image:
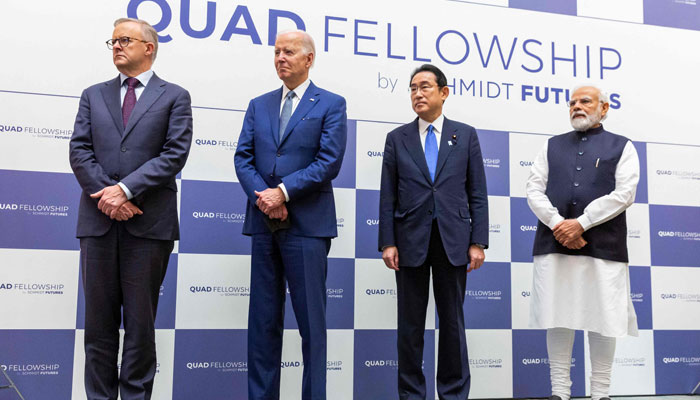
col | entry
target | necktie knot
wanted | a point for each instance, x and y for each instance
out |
(290, 95)
(132, 82)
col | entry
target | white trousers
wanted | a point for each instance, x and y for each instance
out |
(560, 344)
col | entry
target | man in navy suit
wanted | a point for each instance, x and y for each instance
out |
(433, 212)
(290, 148)
(132, 135)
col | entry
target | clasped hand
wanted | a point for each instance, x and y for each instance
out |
(271, 202)
(114, 204)
(568, 232)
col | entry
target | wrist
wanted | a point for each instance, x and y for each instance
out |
(283, 189)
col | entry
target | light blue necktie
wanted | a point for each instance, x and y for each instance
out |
(286, 112)
(431, 151)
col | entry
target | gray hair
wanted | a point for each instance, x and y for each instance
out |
(602, 96)
(149, 33)
(307, 42)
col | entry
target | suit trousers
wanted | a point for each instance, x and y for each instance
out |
(121, 274)
(413, 286)
(302, 262)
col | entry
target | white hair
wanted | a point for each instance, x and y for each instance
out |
(602, 96)
(149, 33)
(307, 42)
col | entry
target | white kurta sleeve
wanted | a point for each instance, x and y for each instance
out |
(535, 188)
(611, 205)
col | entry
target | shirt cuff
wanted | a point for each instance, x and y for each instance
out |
(284, 190)
(584, 221)
(126, 190)
(554, 221)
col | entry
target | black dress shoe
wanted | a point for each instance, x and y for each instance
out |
(559, 398)
(605, 398)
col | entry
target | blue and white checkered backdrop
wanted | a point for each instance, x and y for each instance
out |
(508, 62)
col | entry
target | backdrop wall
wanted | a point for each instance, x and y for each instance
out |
(509, 64)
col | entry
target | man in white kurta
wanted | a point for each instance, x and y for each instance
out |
(581, 275)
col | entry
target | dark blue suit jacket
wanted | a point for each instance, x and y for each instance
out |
(146, 155)
(409, 199)
(306, 159)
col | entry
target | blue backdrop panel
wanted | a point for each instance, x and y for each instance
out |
(40, 362)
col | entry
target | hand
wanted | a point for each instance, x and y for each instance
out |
(576, 243)
(269, 198)
(567, 230)
(279, 213)
(125, 212)
(111, 198)
(476, 257)
(390, 255)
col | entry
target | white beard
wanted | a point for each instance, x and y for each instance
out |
(584, 124)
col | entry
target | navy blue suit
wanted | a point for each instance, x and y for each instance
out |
(432, 224)
(123, 263)
(306, 159)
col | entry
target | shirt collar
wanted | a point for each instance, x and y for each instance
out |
(298, 91)
(143, 77)
(437, 124)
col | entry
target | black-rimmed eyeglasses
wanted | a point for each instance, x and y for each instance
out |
(123, 41)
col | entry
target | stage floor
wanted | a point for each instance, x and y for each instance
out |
(671, 397)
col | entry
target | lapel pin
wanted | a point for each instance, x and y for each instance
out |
(312, 99)
(449, 143)
(454, 137)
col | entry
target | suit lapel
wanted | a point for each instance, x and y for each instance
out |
(112, 98)
(273, 108)
(448, 130)
(309, 101)
(412, 143)
(151, 93)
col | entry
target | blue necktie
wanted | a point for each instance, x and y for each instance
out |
(286, 112)
(431, 151)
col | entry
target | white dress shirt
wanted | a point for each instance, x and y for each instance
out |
(298, 94)
(437, 129)
(143, 79)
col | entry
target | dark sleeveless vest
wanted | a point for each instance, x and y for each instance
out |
(581, 169)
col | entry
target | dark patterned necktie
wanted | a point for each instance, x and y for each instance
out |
(129, 99)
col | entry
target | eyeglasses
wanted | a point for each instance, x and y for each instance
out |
(585, 102)
(123, 41)
(422, 88)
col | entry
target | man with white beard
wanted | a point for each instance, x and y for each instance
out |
(579, 187)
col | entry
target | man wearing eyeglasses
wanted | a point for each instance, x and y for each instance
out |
(132, 136)
(433, 217)
(580, 184)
